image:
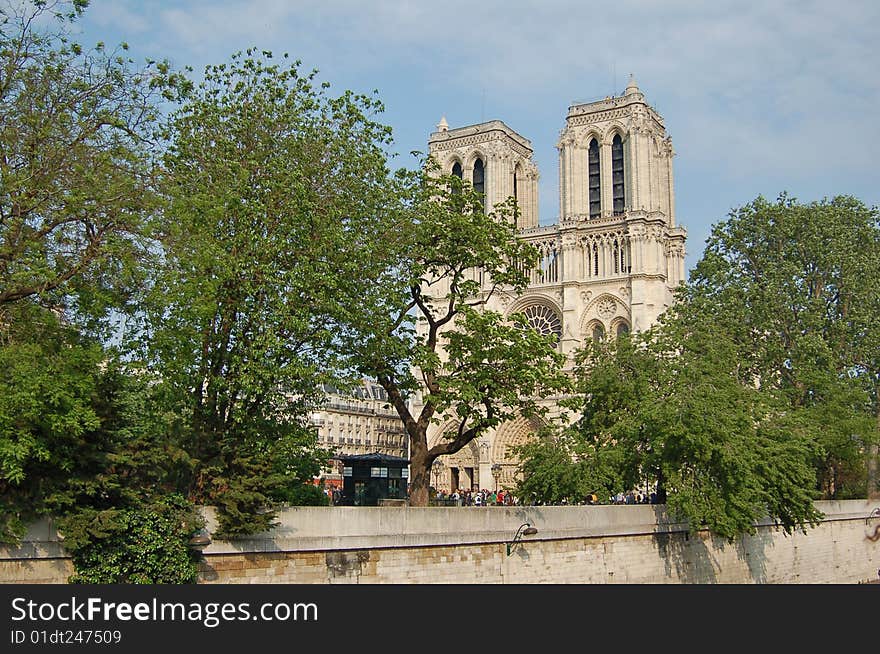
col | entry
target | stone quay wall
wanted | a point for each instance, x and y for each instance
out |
(635, 544)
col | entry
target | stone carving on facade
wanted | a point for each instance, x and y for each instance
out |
(596, 118)
(466, 142)
(639, 119)
(531, 171)
(656, 232)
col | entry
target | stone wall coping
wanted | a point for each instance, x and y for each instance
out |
(354, 528)
(351, 528)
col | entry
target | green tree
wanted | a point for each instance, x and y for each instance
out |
(48, 376)
(75, 185)
(271, 188)
(797, 286)
(78, 430)
(76, 141)
(143, 544)
(755, 393)
(425, 334)
(673, 412)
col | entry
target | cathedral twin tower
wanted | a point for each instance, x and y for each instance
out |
(611, 263)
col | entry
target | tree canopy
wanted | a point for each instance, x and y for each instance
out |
(753, 395)
(225, 238)
(75, 188)
(76, 135)
(797, 286)
(426, 334)
(271, 186)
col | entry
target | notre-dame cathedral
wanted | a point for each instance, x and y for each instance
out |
(610, 264)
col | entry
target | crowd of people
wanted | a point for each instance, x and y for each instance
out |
(483, 497)
(504, 497)
(633, 497)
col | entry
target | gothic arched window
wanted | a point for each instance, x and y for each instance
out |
(479, 177)
(616, 253)
(617, 192)
(598, 333)
(543, 320)
(516, 174)
(622, 329)
(595, 193)
(456, 171)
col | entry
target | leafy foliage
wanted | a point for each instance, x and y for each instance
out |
(797, 287)
(77, 428)
(271, 188)
(756, 392)
(147, 544)
(720, 453)
(76, 136)
(48, 377)
(93, 433)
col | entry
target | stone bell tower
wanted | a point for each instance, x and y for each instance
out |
(495, 159)
(615, 157)
(608, 266)
(617, 205)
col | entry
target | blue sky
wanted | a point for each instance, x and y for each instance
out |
(758, 96)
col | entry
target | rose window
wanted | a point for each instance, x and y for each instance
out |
(543, 320)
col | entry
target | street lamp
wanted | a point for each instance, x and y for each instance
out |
(496, 473)
(525, 529)
(198, 543)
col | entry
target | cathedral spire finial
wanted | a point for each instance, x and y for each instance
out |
(443, 126)
(632, 88)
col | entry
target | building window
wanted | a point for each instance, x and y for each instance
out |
(549, 265)
(516, 197)
(543, 320)
(617, 193)
(480, 179)
(456, 171)
(622, 329)
(598, 333)
(595, 193)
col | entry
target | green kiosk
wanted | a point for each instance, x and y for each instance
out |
(368, 478)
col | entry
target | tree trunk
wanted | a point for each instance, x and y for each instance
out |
(661, 488)
(419, 477)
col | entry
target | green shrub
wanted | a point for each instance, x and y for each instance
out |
(147, 544)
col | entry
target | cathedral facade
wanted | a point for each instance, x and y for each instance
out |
(608, 266)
